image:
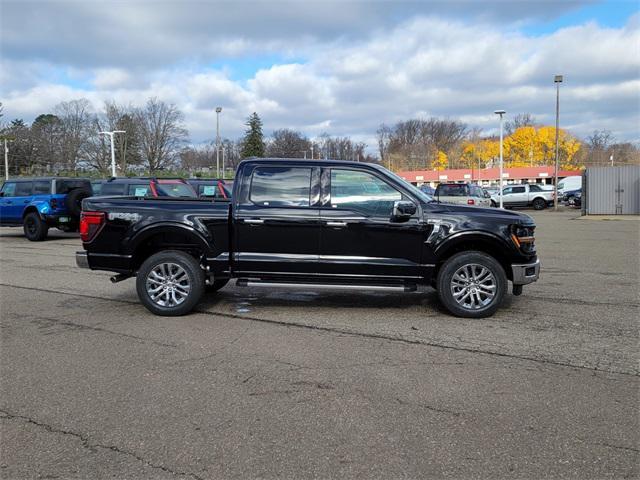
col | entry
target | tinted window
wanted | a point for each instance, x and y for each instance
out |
(534, 188)
(519, 189)
(65, 186)
(452, 190)
(507, 191)
(41, 187)
(362, 192)
(9, 189)
(476, 191)
(281, 186)
(112, 189)
(139, 190)
(96, 187)
(175, 190)
(23, 189)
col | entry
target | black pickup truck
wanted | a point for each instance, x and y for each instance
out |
(315, 224)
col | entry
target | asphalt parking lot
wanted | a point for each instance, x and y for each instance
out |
(297, 384)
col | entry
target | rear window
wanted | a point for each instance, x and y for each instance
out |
(452, 190)
(518, 190)
(41, 187)
(281, 186)
(112, 189)
(176, 189)
(66, 185)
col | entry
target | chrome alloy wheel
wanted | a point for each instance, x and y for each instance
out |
(473, 286)
(168, 285)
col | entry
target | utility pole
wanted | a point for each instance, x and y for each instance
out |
(6, 160)
(312, 151)
(218, 110)
(113, 152)
(557, 80)
(501, 113)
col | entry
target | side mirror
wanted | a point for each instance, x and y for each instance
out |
(402, 210)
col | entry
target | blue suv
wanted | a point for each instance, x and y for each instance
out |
(37, 204)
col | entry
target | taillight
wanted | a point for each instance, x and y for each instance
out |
(471, 201)
(90, 224)
(54, 203)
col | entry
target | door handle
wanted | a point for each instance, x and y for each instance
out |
(336, 224)
(26, 201)
(253, 221)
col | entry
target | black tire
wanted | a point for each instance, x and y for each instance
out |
(539, 203)
(447, 285)
(216, 285)
(35, 229)
(73, 200)
(171, 292)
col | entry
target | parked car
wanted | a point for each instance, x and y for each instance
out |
(462, 194)
(147, 187)
(567, 184)
(310, 224)
(38, 204)
(527, 195)
(569, 196)
(210, 188)
(428, 189)
(575, 200)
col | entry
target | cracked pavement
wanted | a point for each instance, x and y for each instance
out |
(297, 384)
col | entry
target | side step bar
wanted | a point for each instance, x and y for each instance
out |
(409, 287)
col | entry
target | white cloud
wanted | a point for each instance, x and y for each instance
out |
(422, 66)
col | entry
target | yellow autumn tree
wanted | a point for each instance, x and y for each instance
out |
(522, 147)
(441, 162)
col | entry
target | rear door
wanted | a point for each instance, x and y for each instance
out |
(277, 226)
(358, 236)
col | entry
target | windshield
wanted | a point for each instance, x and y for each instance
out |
(425, 197)
(175, 190)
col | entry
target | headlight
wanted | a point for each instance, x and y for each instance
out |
(523, 237)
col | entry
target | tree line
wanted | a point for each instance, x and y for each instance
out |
(67, 141)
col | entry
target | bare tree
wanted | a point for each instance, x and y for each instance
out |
(162, 133)
(75, 119)
(383, 135)
(286, 143)
(520, 120)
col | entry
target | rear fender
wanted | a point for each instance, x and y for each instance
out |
(167, 228)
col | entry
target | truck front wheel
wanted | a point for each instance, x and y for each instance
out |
(471, 284)
(170, 283)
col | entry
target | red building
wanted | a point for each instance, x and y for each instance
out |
(487, 176)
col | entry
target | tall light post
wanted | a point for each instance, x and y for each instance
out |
(501, 113)
(557, 80)
(113, 151)
(6, 138)
(218, 110)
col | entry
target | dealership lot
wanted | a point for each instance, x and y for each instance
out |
(279, 383)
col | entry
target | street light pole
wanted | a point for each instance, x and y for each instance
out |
(113, 152)
(557, 80)
(501, 113)
(6, 160)
(218, 110)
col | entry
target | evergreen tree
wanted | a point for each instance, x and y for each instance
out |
(253, 143)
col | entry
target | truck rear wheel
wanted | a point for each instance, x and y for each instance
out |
(35, 229)
(170, 283)
(471, 284)
(539, 204)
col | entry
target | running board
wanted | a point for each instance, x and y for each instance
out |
(410, 287)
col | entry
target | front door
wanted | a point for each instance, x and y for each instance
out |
(277, 227)
(359, 237)
(14, 201)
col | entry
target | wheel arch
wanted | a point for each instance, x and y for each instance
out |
(475, 241)
(31, 209)
(167, 236)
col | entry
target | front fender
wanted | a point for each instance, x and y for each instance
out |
(485, 238)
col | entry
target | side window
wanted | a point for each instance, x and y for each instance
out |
(112, 189)
(519, 189)
(507, 191)
(452, 190)
(139, 190)
(281, 186)
(42, 187)
(9, 189)
(534, 188)
(23, 189)
(362, 192)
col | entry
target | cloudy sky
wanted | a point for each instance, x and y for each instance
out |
(329, 66)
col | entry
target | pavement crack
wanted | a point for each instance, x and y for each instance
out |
(81, 327)
(429, 407)
(92, 446)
